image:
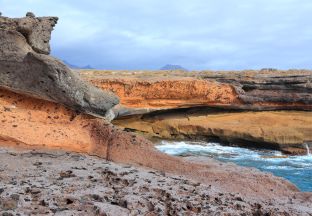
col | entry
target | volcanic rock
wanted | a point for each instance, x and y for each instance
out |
(287, 131)
(148, 95)
(147, 91)
(201, 105)
(269, 89)
(26, 67)
(150, 194)
(46, 125)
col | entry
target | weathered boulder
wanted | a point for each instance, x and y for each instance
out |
(26, 68)
(37, 31)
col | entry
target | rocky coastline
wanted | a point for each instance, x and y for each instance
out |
(66, 183)
(266, 109)
(57, 140)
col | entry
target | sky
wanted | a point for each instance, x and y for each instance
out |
(196, 34)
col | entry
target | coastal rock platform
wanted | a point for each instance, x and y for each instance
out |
(66, 183)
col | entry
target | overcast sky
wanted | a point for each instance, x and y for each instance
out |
(196, 34)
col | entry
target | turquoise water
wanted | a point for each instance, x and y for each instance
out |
(297, 169)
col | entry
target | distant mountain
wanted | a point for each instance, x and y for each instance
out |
(173, 67)
(77, 67)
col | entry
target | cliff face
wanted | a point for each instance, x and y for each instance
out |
(214, 105)
(32, 123)
(269, 90)
(255, 90)
(169, 93)
(285, 131)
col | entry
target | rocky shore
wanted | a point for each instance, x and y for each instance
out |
(266, 109)
(64, 183)
(289, 131)
(68, 158)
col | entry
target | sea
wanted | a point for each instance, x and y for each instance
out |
(297, 169)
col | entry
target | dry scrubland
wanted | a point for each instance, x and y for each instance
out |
(92, 73)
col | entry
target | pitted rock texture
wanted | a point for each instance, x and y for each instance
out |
(24, 68)
(33, 123)
(63, 183)
(37, 31)
(36, 124)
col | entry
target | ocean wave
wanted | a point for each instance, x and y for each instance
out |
(295, 168)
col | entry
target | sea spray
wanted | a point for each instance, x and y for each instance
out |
(308, 149)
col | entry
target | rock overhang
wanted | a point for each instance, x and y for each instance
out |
(26, 67)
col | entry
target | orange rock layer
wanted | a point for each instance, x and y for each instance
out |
(289, 131)
(168, 93)
(161, 90)
(32, 123)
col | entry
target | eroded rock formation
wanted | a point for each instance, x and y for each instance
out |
(26, 67)
(269, 89)
(287, 131)
(148, 95)
(212, 103)
(147, 91)
(36, 124)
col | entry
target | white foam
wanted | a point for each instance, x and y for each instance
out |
(297, 169)
(234, 153)
(177, 148)
(308, 149)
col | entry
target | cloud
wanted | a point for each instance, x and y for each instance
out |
(198, 34)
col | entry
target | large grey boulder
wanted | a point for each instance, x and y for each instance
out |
(26, 67)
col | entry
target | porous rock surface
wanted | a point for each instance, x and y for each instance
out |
(26, 67)
(64, 183)
(36, 124)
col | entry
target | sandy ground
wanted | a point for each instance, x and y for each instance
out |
(34, 182)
